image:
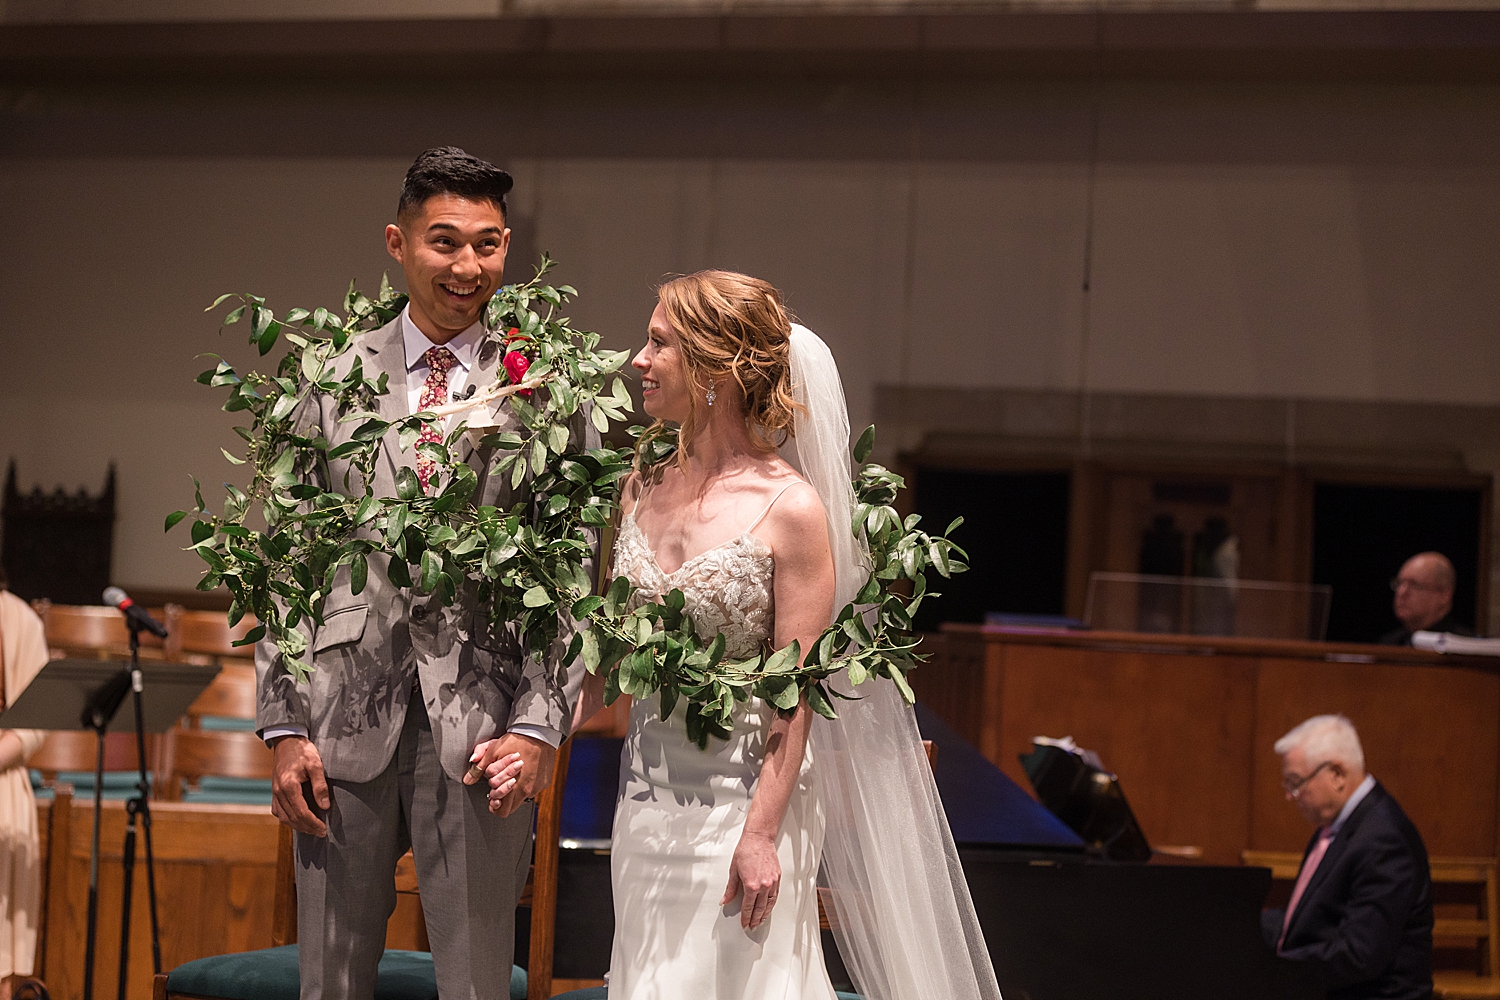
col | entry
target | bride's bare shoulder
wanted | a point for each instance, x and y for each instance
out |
(796, 514)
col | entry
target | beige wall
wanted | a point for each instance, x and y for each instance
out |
(1318, 242)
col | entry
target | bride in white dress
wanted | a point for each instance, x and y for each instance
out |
(716, 853)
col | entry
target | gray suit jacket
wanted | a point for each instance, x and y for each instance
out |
(474, 677)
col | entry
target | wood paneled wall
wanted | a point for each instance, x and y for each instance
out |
(1188, 723)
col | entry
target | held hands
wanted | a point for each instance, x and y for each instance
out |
(516, 767)
(757, 870)
(296, 776)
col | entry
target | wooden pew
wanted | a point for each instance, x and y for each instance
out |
(215, 877)
(207, 637)
(190, 754)
(98, 632)
(231, 695)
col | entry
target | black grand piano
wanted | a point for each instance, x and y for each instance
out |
(1060, 924)
(1064, 925)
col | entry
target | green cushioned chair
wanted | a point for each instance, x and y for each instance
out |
(236, 791)
(271, 973)
(225, 724)
(117, 785)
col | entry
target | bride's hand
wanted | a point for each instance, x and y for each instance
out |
(503, 775)
(757, 870)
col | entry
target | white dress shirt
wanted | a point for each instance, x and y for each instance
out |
(1349, 807)
(465, 348)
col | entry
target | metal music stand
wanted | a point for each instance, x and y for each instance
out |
(89, 694)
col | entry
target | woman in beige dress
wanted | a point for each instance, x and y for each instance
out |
(23, 652)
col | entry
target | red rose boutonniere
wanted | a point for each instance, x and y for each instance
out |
(515, 362)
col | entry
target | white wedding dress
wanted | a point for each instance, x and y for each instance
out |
(681, 811)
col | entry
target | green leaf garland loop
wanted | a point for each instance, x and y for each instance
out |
(645, 648)
(279, 543)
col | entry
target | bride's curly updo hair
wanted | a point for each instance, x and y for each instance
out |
(731, 326)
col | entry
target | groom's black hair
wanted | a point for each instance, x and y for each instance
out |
(449, 170)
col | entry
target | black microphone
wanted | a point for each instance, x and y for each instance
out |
(133, 613)
(467, 393)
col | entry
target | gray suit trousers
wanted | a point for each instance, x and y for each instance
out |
(471, 867)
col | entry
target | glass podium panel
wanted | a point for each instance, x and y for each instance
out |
(1188, 605)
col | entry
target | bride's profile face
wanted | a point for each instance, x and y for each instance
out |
(664, 383)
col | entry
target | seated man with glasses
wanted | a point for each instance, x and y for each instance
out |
(1424, 599)
(1361, 910)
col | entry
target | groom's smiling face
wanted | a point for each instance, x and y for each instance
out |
(452, 251)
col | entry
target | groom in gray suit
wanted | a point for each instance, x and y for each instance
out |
(374, 754)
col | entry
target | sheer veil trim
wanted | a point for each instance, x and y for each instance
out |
(905, 924)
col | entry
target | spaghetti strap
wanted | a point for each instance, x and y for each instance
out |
(762, 517)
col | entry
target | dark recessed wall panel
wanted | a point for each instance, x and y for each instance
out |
(1362, 535)
(1015, 531)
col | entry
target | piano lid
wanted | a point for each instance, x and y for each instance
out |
(984, 806)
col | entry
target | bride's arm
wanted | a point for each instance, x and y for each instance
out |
(797, 531)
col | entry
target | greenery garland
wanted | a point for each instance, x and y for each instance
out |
(278, 543)
(645, 648)
(524, 564)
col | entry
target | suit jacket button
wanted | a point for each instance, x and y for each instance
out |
(419, 612)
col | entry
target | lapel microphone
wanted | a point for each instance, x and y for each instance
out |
(467, 393)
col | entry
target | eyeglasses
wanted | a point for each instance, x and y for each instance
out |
(1397, 584)
(1294, 786)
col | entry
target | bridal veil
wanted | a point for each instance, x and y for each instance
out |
(903, 918)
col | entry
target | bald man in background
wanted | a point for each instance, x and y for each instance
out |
(1424, 599)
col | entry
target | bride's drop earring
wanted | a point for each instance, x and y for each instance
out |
(712, 393)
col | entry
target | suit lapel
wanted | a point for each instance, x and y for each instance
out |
(384, 352)
(1335, 851)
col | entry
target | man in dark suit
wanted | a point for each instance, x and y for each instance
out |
(1361, 911)
(376, 753)
(1424, 599)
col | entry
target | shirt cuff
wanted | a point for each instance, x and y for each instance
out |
(545, 734)
(273, 732)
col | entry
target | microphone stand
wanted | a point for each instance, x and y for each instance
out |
(97, 715)
(138, 809)
(101, 708)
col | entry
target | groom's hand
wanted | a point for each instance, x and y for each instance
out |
(538, 759)
(296, 777)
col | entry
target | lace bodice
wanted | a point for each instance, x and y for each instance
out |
(727, 589)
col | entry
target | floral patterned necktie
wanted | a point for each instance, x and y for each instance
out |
(434, 394)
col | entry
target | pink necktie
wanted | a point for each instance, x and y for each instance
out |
(434, 394)
(1325, 837)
